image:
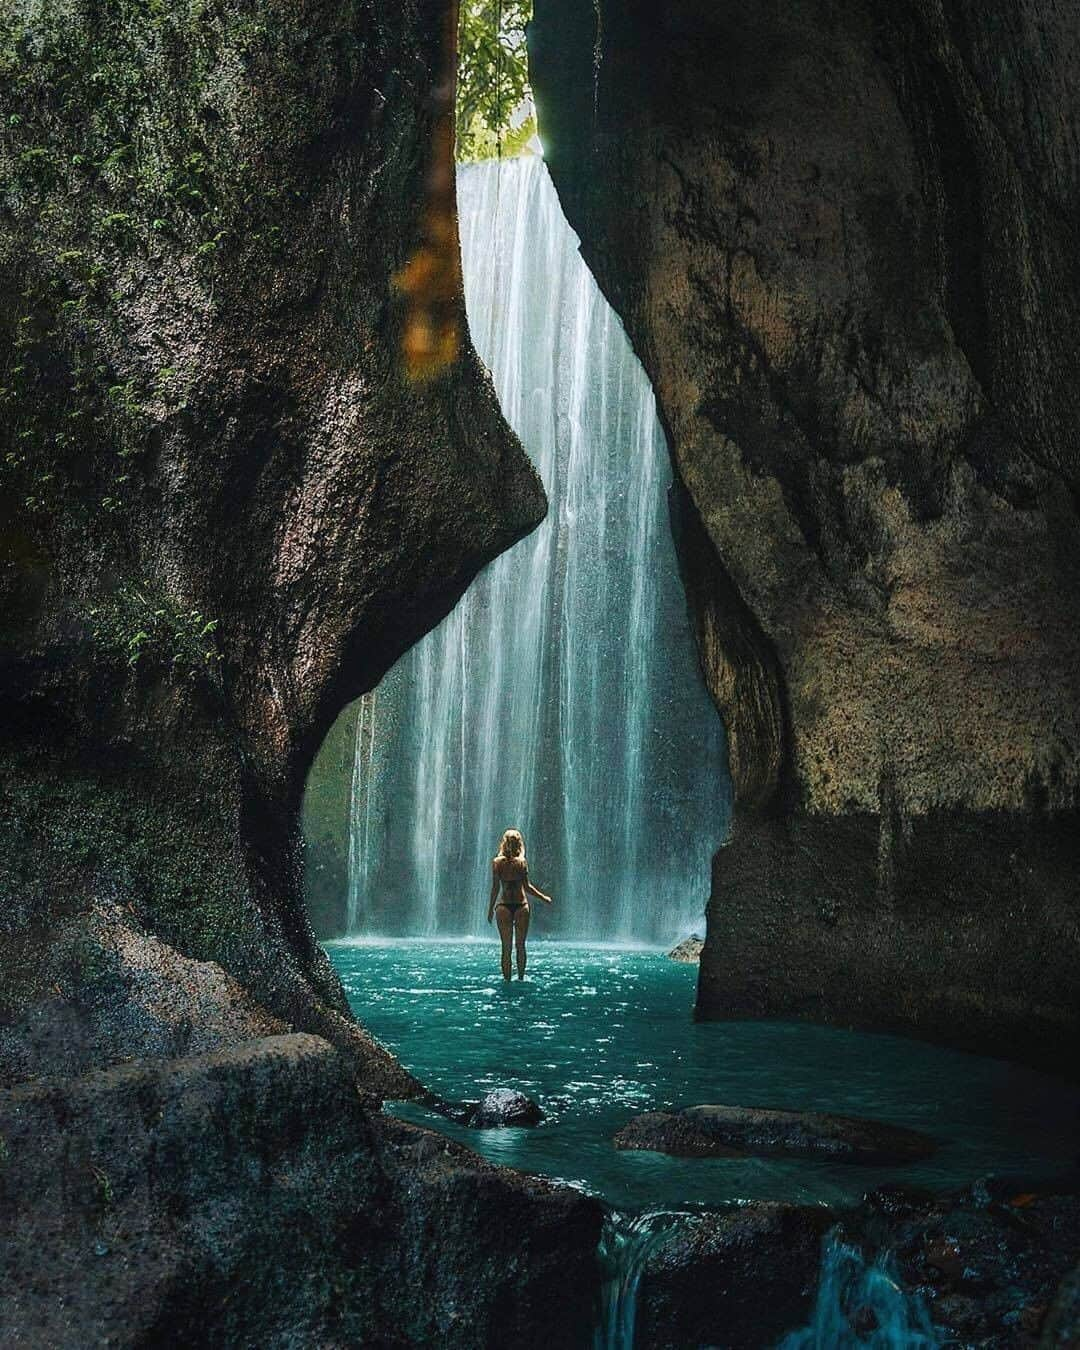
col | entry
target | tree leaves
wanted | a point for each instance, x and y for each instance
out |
(494, 99)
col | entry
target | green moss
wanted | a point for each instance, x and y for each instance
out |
(136, 624)
(86, 114)
(165, 169)
(126, 154)
(154, 846)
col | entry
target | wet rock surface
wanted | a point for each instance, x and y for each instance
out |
(828, 234)
(704, 1131)
(214, 563)
(504, 1106)
(250, 1197)
(228, 502)
(687, 951)
(740, 1279)
(116, 993)
(992, 1265)
(991, 1261)
(1061, 1326)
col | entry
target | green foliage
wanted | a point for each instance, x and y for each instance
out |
(154, 840)
(493, 79)
(138, 625)
(104, 1197)
(106, 183)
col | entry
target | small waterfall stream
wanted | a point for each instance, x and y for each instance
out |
(562, 695)
(861, 1303)
(626, 1243)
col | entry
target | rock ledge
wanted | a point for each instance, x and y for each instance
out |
(718, 1131)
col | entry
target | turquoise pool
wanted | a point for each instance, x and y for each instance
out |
(595, 1035)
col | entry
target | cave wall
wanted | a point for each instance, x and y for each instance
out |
(326, 822)
(842, 237)
(247, 456)
(227, 505)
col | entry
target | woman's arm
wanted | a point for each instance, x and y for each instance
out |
(533, 891)
(494, 891)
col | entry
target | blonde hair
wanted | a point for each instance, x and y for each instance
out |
(512, 845)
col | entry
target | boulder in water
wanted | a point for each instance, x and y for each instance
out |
(688, 950)
(505, 1106)
(715, 1131)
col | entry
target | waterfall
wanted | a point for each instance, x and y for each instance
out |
(562, 695)
(626, 1243)
(362, 804)
(861, 1303)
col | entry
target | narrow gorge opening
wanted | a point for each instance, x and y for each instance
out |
(562, 695)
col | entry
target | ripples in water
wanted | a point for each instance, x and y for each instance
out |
(596, 1034)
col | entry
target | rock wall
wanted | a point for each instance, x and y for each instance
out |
(326, 827)
(842, 238)
(227, 507)
(247, 456)
(194, 1201)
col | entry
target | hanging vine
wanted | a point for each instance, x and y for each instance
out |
(494, 114)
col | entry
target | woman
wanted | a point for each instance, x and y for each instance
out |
(510, 871)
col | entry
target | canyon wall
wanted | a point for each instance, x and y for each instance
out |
(248, 456)
(842, 237)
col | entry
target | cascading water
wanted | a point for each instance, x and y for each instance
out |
(562, 695)
(861, 1304)
(860, 1301)
(626, 1243)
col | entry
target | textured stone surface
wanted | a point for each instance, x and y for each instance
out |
(326, 827)
(968, 944)
(246, 1197)
(225, 506)
(842, 239)
(989, 1260)
(1062, 1324)
(705, 1131)
(115, 993)
(991, 1264)
(505, 1106)
(740, 1279)
(687, 951)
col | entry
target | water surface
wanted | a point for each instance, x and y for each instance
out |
(597, 1034)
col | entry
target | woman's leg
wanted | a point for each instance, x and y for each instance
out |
(505, 920)
(521, 932)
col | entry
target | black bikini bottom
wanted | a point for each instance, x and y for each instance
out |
(512, 905)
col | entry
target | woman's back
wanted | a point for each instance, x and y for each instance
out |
(512, 872)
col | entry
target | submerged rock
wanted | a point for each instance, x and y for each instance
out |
(688, 950)
(711, 1131)
(504, 1106)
